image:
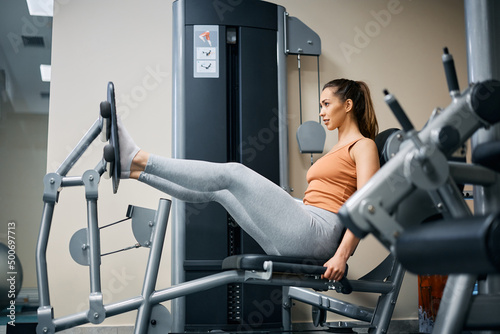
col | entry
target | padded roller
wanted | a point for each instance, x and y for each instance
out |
(485, 99)
(105, 108)
(470, 245)
(109, 157)
(487, 155)
(109, 153)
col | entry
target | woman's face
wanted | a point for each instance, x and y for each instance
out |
(333, 110)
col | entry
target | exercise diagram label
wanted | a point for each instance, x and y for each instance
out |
(206, 51)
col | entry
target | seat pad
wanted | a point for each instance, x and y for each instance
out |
(280, 263)
(284, 264)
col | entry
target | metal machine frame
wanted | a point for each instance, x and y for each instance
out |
(149, 228)
(385, 280)
(418, 164)
(462, 245)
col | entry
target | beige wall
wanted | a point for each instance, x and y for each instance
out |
(129, 43)
(394, 45)
(23, 148)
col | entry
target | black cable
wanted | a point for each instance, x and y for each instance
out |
(123, 249)
(120, 221)
(319, 91)
(300, 89)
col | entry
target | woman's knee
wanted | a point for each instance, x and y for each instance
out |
(235, 172)
(236, 168)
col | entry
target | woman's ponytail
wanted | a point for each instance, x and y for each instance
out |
(367, 121)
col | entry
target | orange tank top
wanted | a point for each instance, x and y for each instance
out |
(332, 179)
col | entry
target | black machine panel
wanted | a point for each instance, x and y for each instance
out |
(239, 13)
(232, 117)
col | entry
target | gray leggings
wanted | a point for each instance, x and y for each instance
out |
(278, 222)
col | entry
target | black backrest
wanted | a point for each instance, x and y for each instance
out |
(380, 141)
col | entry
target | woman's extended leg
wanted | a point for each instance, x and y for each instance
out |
(270, 215)
(280, 224)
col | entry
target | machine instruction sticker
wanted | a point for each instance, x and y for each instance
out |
(206, 51)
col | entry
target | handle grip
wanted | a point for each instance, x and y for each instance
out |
(450, 71)
(398, 111)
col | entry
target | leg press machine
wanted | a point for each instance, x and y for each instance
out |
(417, 182)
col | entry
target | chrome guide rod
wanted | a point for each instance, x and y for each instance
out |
(178, 151)
(483, 60)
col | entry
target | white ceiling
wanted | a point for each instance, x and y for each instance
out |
(21, 62)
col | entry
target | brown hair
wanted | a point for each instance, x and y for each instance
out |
(359, 93)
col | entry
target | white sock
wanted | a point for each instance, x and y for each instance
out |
(128, 149)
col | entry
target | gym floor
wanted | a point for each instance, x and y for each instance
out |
(397, 327)
(26, 318)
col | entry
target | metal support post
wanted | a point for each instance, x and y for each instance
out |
(387, 302)
(282, 100)
(96, 313)
(178, 151)
(52, 183)
(483, 61)
(455, 303)
(158, 238)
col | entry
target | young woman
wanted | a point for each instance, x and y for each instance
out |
(280, 224)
